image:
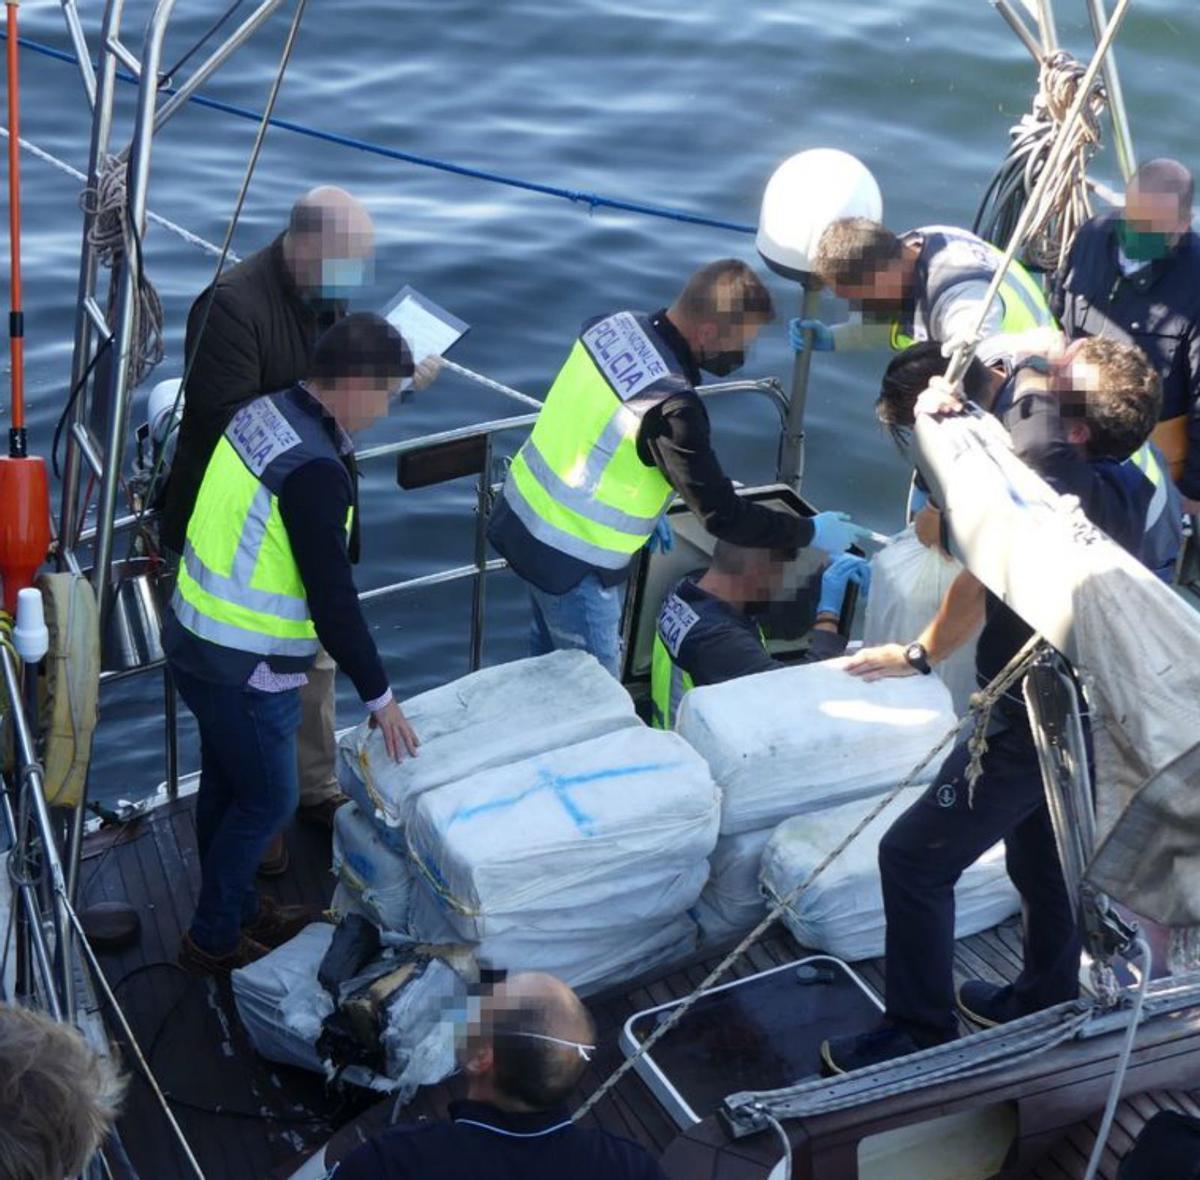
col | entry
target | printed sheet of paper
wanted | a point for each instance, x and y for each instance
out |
(427, 329)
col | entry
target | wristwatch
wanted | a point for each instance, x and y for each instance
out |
(918, 658)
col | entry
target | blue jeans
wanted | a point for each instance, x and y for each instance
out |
(586, 618)
(248, 791)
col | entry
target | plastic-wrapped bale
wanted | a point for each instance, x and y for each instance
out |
(732, 901)
(376, 874)
(589, 960)
(399, 1010)
(801, 739)
(610, 832)
(841, 913)
(908, 582)
(490, 718)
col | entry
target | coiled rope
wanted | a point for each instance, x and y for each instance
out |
(1065, 204)
(117, 243)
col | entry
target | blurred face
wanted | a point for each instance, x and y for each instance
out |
(763, 584)
(1073, 378)
(724, 343)
(361, 401)
(335, 261)
(1152, 224)
(881, 290)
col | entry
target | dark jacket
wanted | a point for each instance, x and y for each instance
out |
(713, 641)
(1157, 308)
(1114, 496)
(313, 503)
(484, 1143)
(257, 339)
(675, 437)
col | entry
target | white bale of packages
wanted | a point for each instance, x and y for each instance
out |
(801, 739)
(732, 900)
(908, 582)
(490, 718)
(586, 959)
(841, 913)
(378, 877)
(571, 829)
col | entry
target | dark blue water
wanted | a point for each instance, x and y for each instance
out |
(673, 104)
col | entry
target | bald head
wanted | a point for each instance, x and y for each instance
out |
(330, 242)
(524, 1051)
(1158, 197)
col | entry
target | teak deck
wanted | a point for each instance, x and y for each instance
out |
(248, 1118)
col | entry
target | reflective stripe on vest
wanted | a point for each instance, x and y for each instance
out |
(578, 484)
(1146, 462)
(238, 583)
(1024, 304)
(668, 683)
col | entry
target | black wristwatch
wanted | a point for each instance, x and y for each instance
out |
(918, 658)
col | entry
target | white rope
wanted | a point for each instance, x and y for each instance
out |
(1011, 672)
(170, 226)
(1118, 1082)
(1063, 206)
(116, 242)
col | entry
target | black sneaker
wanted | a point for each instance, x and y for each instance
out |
(846, 1054)
(985, 1004)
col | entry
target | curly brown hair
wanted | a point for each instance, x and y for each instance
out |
(1126, 402)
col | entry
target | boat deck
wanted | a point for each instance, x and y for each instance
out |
(248, 1117)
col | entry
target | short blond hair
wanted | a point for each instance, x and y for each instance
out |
(58, 1097)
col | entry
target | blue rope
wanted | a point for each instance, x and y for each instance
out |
(591, 200)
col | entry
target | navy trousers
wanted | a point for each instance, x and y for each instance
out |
(248, 791)
(925, 852)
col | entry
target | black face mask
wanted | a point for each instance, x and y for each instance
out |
(721, 364)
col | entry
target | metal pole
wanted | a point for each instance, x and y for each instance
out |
(81, 357)
(212, 63)
(118, 424)
(82, 56)
(966, 350)
(171, 708)
(33, 785)
(478, 597)
(1019, 27)
(791, 454)
(1046, 25)
(1122, 139)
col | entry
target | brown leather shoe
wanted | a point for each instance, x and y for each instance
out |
(322, 813)
(199, 962)
(275, 860)
(276, 924)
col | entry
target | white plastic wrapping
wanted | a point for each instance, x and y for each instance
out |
(806, 738)
(732, 901)
(908, 582)
(841, 913)
(377, 875)
(492, 717)
(573, 829)
(587, 959)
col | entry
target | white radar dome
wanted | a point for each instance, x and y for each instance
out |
(805, 194)
(159, 406)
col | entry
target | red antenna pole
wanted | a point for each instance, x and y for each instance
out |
(16, 317)
(24, 490)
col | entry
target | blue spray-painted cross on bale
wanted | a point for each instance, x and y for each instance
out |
(561, 786)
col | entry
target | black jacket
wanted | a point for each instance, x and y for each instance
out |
(713, 641)
(484, 1143)
(1157, 308)
(258, 338)
(675, 437)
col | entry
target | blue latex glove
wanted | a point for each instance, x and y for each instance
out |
(822, 335)
(839, 573)
(835, 532)
(662, 540)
